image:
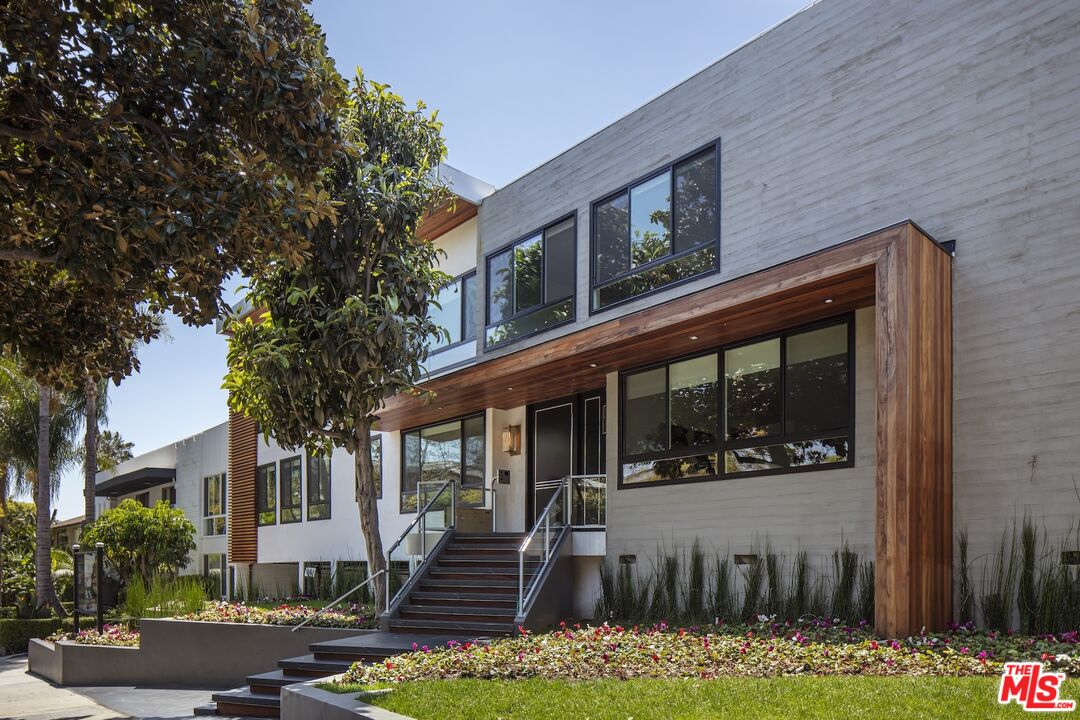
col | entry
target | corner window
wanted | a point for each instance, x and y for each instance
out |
(318, 487)
(530, 284)
(656, 232)
(784, 404)
(455, 314)
(266, 494)
(214, 504)
(432, 455)
(290, 477)
(376, 463)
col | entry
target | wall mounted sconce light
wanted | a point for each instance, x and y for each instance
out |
(511, 439)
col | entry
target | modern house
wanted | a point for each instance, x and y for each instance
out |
(824, 291)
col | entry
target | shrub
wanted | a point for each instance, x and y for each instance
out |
(15, 634)
(999, 582)
(111, 635)
(142, 541)
(164, 597)
(353, 616)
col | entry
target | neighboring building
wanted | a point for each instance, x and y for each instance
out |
(65, 533)
(737, 313)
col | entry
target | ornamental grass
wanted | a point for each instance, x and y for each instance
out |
(764, 649)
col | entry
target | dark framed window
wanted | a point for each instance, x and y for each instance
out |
(214, 565)
(777, 404)
(376, 448)
(531, 283)
(143, 499)
(214, 504)
(266, 494)
(290, 476)
(318, 487)
(658, 231)
(456, 312)
(168, 494)
(431, 455)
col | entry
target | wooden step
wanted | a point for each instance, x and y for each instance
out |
(450, 627)
(463, 600)
(456, 613)
(487, 586)
(482, 548)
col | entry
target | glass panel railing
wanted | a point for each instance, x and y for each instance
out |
(409, 553)
(540, 543)
(588, 500)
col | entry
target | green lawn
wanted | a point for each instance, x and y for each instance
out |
(909, 698)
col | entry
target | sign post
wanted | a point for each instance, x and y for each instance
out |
(75, 586)
(87, 576)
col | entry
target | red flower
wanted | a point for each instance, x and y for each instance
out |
(389, 665)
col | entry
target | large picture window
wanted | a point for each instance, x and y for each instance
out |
(656, 232)
(456, 312)
(530, 284)
(318, 487)
(214, 504)
(266, 494)
(432, 455)
(290, 475)
(777, 404)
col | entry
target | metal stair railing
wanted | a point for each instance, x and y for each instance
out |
(335, 602)
(448, 490)
(556, 511)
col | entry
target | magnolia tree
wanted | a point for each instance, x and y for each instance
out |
(148, 150)
(349, 326)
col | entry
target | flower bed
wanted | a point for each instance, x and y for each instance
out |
(111, 635)
(764, 649)
(352, 616)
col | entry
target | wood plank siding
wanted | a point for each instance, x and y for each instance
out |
(243, 457)
(900, 271)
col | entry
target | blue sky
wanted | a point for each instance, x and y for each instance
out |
(514, 83)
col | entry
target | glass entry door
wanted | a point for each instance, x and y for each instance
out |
(566, 437)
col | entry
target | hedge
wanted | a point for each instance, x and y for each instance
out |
(15, 634)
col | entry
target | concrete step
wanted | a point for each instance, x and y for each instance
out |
(244, 703)
(309, 666)
(270, 683)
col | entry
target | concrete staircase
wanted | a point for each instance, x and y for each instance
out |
(468, 592)
(471, 588)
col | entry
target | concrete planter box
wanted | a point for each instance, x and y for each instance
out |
(178, 652)
(304, 701)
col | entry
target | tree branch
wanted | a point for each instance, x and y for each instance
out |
(20, 254)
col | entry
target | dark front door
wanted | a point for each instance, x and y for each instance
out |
(566, 437)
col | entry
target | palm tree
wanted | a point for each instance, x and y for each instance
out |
(38, 439)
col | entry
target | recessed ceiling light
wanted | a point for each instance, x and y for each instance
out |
(592, 364)
(509, 388)
(828, 300)
(693, 337)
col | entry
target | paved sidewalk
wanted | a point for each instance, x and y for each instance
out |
(26, 697)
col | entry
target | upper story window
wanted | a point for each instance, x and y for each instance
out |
(656, 232)
(266, 494)
(290, 471)
(447, 451)
(318, 487)
(214, 504)
(774, 405)
(530, 284)
(456, 312)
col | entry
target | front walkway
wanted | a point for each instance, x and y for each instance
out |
(27, 697)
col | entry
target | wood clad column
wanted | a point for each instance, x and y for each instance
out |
(243, 456)
(913, 574)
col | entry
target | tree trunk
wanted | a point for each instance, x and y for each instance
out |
(367, 502)
(90, 465)
(43, 584)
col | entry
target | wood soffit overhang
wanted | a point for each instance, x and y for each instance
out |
(772, 299)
